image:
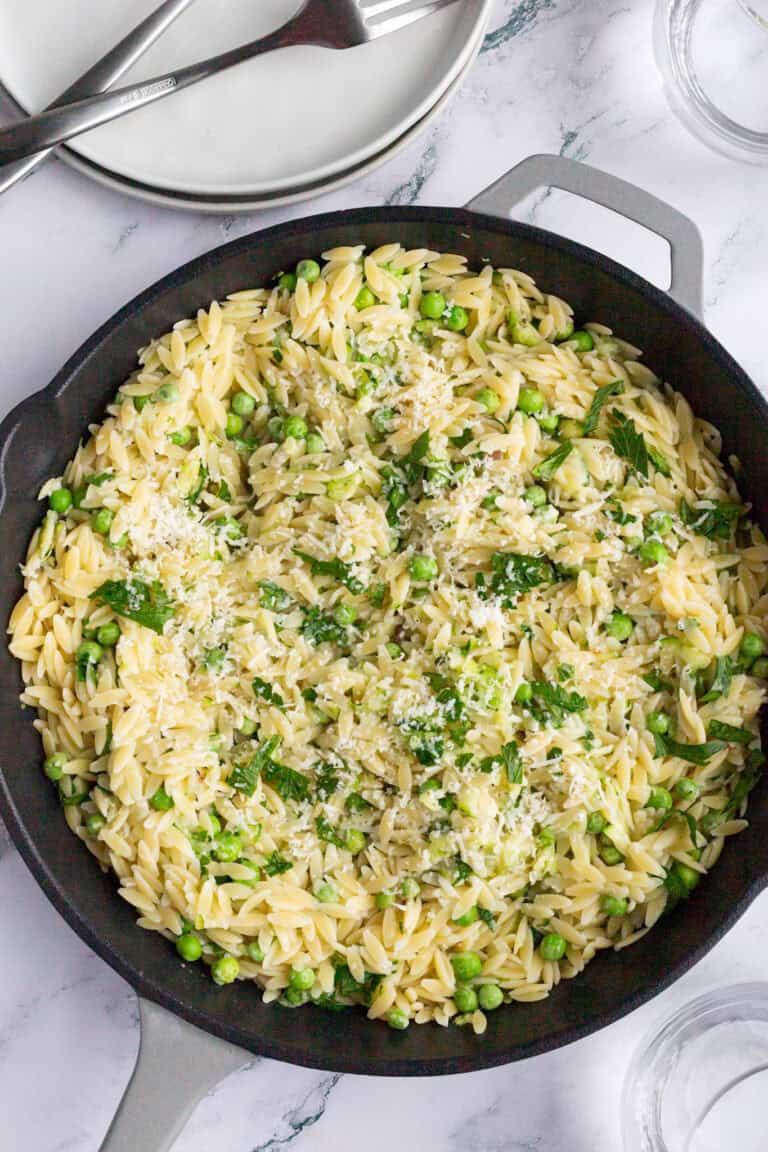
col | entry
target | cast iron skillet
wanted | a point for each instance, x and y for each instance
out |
(39, 437)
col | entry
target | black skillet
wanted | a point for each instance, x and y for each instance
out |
(178, 1062)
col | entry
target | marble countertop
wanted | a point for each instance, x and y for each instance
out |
(554, 76)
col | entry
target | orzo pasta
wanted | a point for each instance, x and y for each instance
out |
(394, 642)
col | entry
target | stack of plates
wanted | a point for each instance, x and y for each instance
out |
(278, 129)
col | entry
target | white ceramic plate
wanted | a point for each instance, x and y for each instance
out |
(282, 121)
(230, 204)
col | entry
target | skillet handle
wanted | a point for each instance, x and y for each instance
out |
(177, 1064)
(543, 171)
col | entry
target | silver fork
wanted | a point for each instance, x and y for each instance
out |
(323, 23)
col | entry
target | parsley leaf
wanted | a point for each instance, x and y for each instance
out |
(509, 759)
(327, 779)
(328, 833)
(335, 568)
(244, 777)
(693, 753)
(461, 870)
(626, 441)
(395, 490)
(98, 479)
(288, 783)
(718, 730)
(276, 865)
(195, 493)
(273, 597)
(447, 696)
(725, 666)
(546, 469)
(266, 692)
(716, 519)
(515, 573)
(411, 463)
(145, 604)
(550, 703)
(319, 628)
(655, 681)
(486, 916)
(598, 401)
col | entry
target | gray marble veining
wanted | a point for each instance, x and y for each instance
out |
(564, 76)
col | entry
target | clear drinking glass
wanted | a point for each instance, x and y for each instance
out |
(700, 1083)
(713, 55)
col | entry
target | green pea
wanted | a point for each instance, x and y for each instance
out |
(229, 526)
(658, 723)
(89, 652)
(465, 999)
(161, 801)
(397, 1019)
(535, 495)
(457, 319)
(315, 444)
(225, 970)
(287, 282)
(432, 305)
(751, 646)
(255, 952)
(243, 404)
(653, 552)
(620, 626)
(659, 523)
(394, 651)
(467, 918)
(466, 965)
(609, 853)
(364, 299)
(583, 341)
(760, 668)
(101, 521)
(276, 428)
(341, 488)
(227, 847)
(425, 328)
(308, 270)
(108, 634)
(354, 841)
(596, 823)
(490, 997)
(552, 947)
(530, 400)
(189, 947)
(248, 727)
(60, 501)
(166, 393)
(570, 429)
(382, 420)
(384, 900)
(549, 422)
(233, 426)
(215, 823)
(614, 906)
(295, 997)
(345, 614)
(295, 428)
(54, 766)
(523, 332)
(301, 978)
(94, 823)
(566, 333)
(524, 693)
(681, 880)
(659, 798)
(686, 789)
(489, 399)
(182, 436)
(410, 889)
(423, 568)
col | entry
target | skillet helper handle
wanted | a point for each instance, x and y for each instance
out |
(544, 171)
(177, 1064)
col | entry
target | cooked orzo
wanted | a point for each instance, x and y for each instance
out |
(396, 642)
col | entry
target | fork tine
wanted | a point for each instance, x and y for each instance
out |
(385, 16)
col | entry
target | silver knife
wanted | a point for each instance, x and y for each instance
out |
(102, 76)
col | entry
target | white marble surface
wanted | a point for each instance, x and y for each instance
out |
(564, 76)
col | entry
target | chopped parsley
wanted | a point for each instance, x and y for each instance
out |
(276, 865)
(328, 833)
(287, 782)
(550, 703)
(266, 692)
(319, 627)
(335, 568)
(627, 442)
(716, 519)
(273, 597)
(514, 573)
(725, 667)
(693, 753)
(718, 730)
(599, 400)
(245, 775)
(196, 491)
(546, 469)
(509, 759)
(145, 603)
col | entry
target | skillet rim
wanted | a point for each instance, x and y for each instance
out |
(390, 1064)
